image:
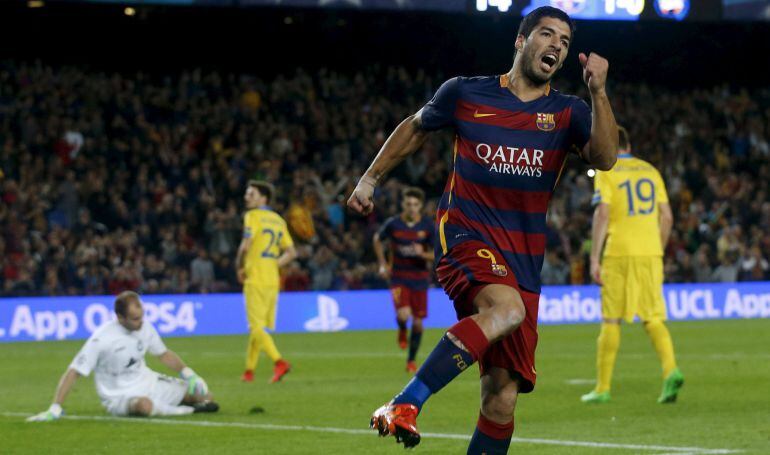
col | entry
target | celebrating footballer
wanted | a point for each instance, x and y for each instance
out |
(513, 133)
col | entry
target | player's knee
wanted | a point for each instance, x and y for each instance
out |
(417, 324)
(499, 407)
(403, 314)
(509, 309)
(140, 406)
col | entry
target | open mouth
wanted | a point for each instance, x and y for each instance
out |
(548, 61)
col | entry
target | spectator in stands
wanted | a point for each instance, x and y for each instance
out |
(555, 271)
(114, 183)
(202, 272)
(727, 271)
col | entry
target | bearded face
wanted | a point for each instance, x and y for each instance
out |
(543, 52)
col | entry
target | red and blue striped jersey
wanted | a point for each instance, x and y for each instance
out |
(508, 156)
(408, 268)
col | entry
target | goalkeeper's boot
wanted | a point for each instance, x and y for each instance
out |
(205, 406)
(596, 397)
(402, 342)
(399, 420)
(671, 385)
(248, 376)
(280, 370)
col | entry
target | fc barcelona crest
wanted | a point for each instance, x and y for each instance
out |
(499, 270)
(545, 122)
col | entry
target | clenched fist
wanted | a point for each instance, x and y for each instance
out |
(595, 69)
(361, 200)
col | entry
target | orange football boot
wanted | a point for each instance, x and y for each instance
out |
(411, 367)
(248, 376)
(400, 420)
(280, 370)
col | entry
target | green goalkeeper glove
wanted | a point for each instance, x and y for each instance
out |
(53, 413)
(195, 384)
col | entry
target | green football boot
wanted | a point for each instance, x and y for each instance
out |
(671, 385)
(595, 397)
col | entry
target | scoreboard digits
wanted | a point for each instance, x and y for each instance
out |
(501, 5)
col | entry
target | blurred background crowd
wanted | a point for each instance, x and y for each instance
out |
(114, 181)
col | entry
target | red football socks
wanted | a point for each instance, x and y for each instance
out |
(470, 335)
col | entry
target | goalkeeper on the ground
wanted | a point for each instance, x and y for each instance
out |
(126, 386)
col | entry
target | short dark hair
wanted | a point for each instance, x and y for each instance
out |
(531, 20)
(413, 191)
(265, 188)
(623, 142)
(123, 300)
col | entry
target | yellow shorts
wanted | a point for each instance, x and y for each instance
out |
(633, 286)
(261, 303)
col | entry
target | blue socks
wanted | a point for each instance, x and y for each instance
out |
(490, 438)
(443, 364)
(482, 444)
(414, 344)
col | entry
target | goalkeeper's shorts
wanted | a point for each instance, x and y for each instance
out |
(159, 388)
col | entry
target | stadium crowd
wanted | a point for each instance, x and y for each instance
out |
(110, 182)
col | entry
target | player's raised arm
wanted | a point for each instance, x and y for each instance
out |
(405, 140)
(601, 149)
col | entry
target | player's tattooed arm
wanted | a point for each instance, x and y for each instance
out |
(602, 149)
(405, 140)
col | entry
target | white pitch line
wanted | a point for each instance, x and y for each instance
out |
(395, 354)
(673, 450)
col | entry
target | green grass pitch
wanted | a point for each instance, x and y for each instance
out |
(339, 378)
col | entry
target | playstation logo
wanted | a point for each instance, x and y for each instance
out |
(328, 319)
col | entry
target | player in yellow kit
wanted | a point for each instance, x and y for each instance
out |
(266, 246)
(633, 215)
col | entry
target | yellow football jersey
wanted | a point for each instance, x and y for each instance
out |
(633, 189)
(269, 238)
